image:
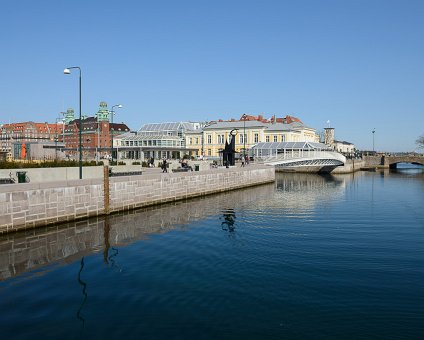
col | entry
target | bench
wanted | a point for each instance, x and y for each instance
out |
(125, 173)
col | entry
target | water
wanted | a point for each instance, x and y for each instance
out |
(309, 257)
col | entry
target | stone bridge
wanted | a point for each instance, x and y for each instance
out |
(392, 160)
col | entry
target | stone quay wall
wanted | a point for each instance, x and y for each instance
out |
(373, 161)
(29, 205)
(350, 166)
(137, 191)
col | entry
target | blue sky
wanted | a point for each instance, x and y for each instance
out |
(358, 63)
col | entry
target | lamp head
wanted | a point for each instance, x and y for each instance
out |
(120, 106)
(67, 71)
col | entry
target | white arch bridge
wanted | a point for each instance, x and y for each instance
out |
(303, 156)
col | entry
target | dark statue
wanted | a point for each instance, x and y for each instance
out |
(228, 155)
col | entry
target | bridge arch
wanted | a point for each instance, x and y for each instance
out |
(393, 161)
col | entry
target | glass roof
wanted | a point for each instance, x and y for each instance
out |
(292, 145)
(170, 126)
(134, 137)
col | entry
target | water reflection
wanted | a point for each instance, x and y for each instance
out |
(310, 182)
(229, 216)
(299, 193)
(30, 250)
(106, 236)
(85, 295)
(295, 195)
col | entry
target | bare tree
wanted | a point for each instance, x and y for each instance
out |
(420, 141)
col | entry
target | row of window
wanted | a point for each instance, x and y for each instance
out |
(169, 143)
(17, 136)
(283, 139)
(242, 139)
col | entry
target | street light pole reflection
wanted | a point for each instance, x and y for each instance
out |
(84, 293)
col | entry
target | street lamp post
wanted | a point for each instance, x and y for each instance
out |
(55, 147)
(98, 142)
(373, 132)
(244, 136)
(88, 149)
(111, 128)
(63, 131)
(56, 138)
(68, 71)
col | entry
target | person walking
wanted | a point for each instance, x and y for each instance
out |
(164, 166)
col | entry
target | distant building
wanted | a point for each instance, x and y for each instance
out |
(3, 156)
(38, 150)
(155, 140)
(96, 135)
(339, 146)
(209, 141)
(26, 133)
(344, 147)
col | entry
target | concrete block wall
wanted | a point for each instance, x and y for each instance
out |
(137, 191)
(29, 205)
(372, 160)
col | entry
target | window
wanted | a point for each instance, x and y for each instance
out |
(209, 152)
(267, 139)
(275, 138)
(256, 138)
(209, 139)
(283, 138)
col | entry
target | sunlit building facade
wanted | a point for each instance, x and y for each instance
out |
(155, 140)
(209, 141)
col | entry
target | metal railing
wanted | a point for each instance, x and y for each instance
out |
(299, 155)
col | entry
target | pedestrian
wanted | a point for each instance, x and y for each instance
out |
(242, 161)
(164, 168)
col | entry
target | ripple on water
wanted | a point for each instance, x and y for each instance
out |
(316, 257)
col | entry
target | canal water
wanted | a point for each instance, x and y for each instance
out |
(307, 257)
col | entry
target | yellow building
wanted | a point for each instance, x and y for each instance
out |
(210, 140)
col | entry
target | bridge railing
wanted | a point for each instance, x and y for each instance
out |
(301, 154)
